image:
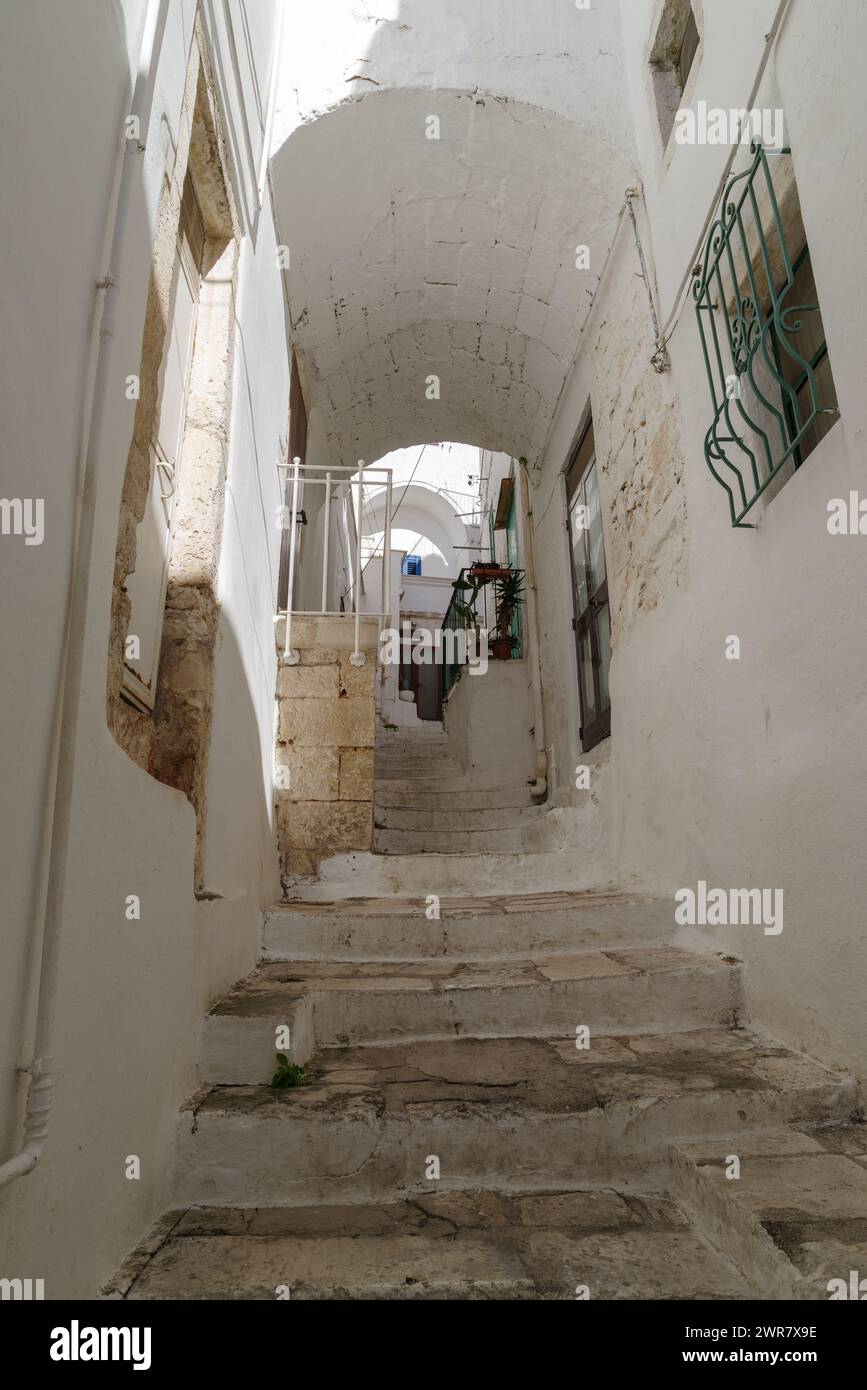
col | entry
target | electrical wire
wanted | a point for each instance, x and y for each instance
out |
(393, 515)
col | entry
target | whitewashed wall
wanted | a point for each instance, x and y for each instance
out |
(131, 993)
(747, 773)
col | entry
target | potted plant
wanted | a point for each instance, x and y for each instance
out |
(508, 596)
(463, 604)
(485, 570)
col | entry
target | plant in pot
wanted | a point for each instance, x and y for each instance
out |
(463, 604)
(485, 570)
(508, 597)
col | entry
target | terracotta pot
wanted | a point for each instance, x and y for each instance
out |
(489, 572)
(501, 648)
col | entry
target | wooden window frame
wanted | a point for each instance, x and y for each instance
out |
(297, 449)
(688, 50)
(599, 728)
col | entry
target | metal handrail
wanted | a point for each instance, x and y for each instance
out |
(358, 477)
(462, 616)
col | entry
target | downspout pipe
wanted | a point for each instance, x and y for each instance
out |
(539, 787)
(38, 1055)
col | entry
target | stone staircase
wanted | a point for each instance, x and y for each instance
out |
(424, 803)
(459, 1141)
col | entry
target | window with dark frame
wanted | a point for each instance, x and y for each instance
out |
(673, 54)
(762, 335)
(688, 49)
(297, 449)
(808, 341)
(591, 622)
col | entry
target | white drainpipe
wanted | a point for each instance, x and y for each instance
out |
(37, 1055)
(540, 785)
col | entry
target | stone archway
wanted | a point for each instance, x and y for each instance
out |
(441, 296)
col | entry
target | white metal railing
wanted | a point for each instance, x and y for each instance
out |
(343, 479)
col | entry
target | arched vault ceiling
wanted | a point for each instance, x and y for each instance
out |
(454, 258)
(427, 509)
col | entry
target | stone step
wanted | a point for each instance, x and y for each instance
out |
(508, 926)
(796, 1216)
(505, 1114)
(612, 992)
(425, 745)
(413, 742)
(504, 841)
(439, 772)
(442, 772)
(429, 749)
(239, 1037)
(453, 820)
(361, 873)
(457, 1245)
(421, 788)
(428, 729)
(394, 794)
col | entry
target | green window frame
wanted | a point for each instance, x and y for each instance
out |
(513, 558)
(772, 404)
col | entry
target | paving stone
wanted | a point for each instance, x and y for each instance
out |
(760, 1144)
(560, 1165)
(814, 1185)
(559, 1210)
(582, 966)
(390, 1001)
(791, 1220)
(632, 1264)
(847, 1139)
(471, 1244)
(332, 1267)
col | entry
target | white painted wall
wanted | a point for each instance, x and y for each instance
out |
(744, 774)
(487, 719)
(748, 773)
(425, 595)
(454, 257)
(131, 993)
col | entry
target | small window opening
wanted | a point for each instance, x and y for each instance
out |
(672, 59)
(688, 49)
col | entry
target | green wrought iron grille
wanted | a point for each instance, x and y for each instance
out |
(765, 394)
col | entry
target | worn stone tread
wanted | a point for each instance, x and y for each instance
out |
(457, 905)
(796, 1215)
(539, 1074)
(460, 1245)
(272, 984)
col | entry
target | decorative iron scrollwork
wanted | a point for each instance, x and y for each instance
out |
(747, 333)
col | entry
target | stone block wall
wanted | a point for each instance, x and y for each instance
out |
(325, 738)
(172, 741)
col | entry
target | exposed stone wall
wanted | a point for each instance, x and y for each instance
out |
(325, 738)
(172, 742)
(636, 424)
